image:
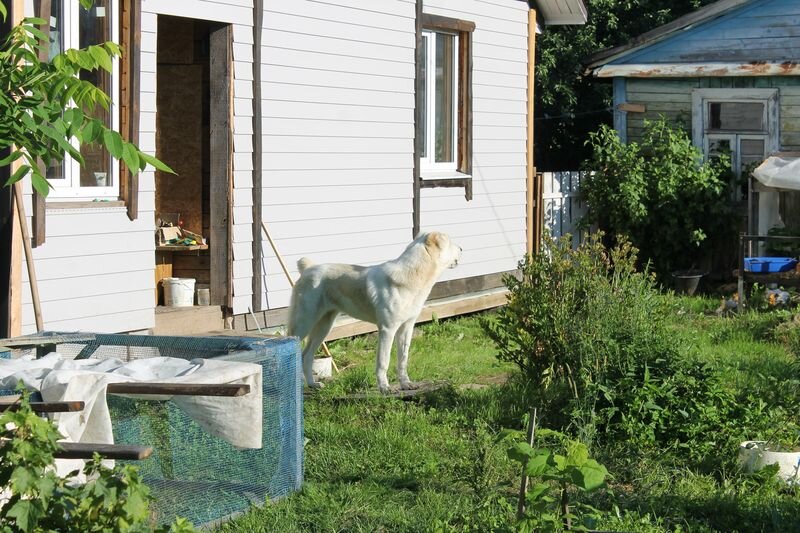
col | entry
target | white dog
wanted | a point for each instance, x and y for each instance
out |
(389, 295)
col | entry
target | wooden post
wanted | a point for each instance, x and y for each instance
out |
(523, 488)
(16, 14)
(26, 242)
(530, 200)
(258, 271)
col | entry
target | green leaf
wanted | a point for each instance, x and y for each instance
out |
(18, 174)
(92, 131)
(101, 56)
(113, 142)
(11, 158)
(3, 11)
(156, 163)
(520, 452)
(593, 474)
(130, 157)
(22, 512)
(577, 454)
(40, 184)
(538, 464)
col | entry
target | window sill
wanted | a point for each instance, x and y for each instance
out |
(54, 205)
(451, 178)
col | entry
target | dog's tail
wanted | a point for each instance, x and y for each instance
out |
(303, 263)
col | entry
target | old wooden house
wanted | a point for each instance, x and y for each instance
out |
(731, 73)
(344, 126)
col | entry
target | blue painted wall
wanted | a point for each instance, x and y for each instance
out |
(764, 30)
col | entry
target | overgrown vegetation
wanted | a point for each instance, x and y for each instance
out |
(664, 412)
(660, 194)
(112, 500)
(46, 109)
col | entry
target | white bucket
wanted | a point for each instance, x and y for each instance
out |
(178, 292)
(755, 455)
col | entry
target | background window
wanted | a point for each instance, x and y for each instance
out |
(72, 26)
(440, 83)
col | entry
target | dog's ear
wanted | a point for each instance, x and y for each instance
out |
(436, 240)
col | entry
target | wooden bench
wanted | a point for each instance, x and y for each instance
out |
(86, 450)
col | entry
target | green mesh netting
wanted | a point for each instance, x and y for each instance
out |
(194, 474)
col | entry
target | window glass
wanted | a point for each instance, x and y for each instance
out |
(736, 116)
(55, 171)
(423, 148)
(445, 98)
(95, 28)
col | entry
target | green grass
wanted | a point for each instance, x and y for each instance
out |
(381, 464)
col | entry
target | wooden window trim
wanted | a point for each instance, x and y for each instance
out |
(437, 22)
(463, 172)
(129, 87)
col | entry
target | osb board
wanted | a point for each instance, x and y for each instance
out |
(179, 143)
(193, 266)
(179, 47)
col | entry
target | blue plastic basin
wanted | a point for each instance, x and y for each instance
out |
(769, 264)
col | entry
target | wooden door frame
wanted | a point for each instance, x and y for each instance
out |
(220, 163)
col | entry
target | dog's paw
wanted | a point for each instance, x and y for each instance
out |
(316, 385)
(385, 388)
(409, 385)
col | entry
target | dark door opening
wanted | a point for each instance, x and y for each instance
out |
(193, 137)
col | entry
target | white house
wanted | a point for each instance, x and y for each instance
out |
(303, 115)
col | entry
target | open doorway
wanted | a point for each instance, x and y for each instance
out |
(193, 137)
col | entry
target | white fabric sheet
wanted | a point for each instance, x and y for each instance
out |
(238, 420)
(779, 172)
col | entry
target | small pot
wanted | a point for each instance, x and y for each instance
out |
(323, 367)
(755, 455)
(686, 281)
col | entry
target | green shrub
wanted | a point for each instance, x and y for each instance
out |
(659, 194)
(577, 317)
(595, 336)
(112, 500)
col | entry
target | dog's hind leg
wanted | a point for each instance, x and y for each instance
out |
(315, 338)
(403, 341)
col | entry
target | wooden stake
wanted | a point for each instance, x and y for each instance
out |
(291, 282)
(26, 241)
(523, 487)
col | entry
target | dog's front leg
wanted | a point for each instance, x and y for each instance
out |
(385, 336)
(403, 342)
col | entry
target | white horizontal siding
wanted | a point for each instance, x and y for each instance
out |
(490, 228)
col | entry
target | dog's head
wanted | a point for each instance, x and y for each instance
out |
(445, 251)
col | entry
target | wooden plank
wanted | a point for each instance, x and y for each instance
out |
(632, 108)
(38, 211)
(258, 129)
(86, 450)
(438, 22)
(220, 160)
(530, 169)
(419, 120)
(465, 94)
(134, 62)
(180, 389)
(11, 403)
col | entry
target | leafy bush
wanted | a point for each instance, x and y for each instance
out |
(659, 194)
(555, 476)
(577, 317)
(41, 501)
(595, 335)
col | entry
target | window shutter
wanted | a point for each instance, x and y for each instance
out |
(130, 40)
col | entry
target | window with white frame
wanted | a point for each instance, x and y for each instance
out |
(440, 69)
(72, 26)
(742, 123)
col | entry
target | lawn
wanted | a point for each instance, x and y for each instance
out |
(382, 464)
